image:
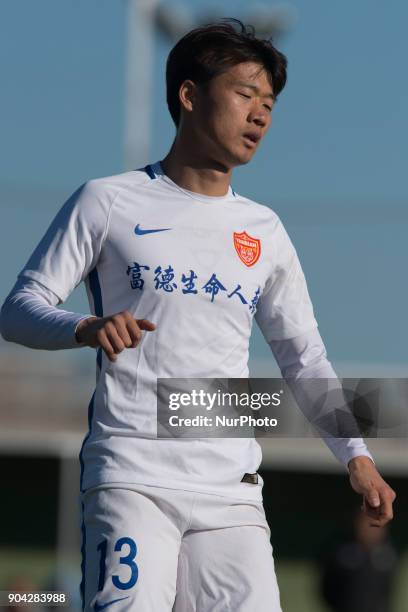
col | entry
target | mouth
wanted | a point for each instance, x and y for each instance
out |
(251, 139)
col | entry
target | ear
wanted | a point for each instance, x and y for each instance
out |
(187, 95)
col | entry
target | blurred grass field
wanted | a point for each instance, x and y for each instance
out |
(33, 564)
(298, 583)
(298, 580)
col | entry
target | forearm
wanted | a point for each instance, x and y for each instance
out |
(29, 316)
(305, 358)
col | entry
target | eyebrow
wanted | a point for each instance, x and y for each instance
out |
(255, 88)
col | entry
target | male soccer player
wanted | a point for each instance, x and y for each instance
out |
(176, 265)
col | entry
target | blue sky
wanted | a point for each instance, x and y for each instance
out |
(333, 165)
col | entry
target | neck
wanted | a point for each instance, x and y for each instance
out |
(189, 169)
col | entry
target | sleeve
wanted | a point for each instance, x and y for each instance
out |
(29, 316)
(305, 356)
(72, 244)
(284, 309)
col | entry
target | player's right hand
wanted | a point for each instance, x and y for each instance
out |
(113, 333)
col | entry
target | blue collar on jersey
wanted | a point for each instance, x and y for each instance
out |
(149, 170)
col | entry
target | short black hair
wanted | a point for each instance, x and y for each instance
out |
(210, 50)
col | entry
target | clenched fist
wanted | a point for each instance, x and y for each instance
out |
(113, 333)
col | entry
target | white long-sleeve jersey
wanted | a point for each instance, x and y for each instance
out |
(199, 267)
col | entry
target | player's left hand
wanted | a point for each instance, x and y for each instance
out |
(378, 496)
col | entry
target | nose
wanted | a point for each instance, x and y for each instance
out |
(261, 120)
(260, 116)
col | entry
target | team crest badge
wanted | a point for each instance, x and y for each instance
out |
(247, 247)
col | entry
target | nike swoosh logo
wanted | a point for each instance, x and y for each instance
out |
(140, 232)
(98, 607)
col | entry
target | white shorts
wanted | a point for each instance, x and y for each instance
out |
(153, 549)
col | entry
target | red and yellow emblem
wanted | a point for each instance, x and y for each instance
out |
(247, 247)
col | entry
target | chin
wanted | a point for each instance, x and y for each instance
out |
(243, 158)
(236, 158)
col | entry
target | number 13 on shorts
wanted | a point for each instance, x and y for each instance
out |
(127, 560)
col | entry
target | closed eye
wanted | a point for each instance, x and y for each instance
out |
(249, 97)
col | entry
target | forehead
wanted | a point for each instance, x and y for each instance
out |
(249, 72)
